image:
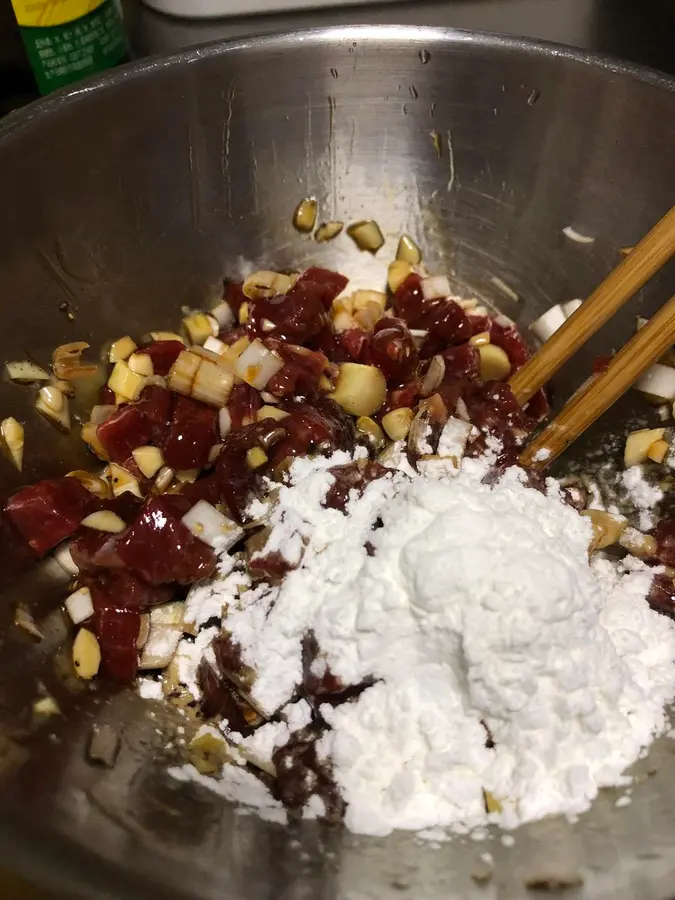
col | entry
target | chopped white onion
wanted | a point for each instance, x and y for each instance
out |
(548, 323)
(215, 345)
(659, 381)
(100, 413)
(64, 558)
(576, 236)
(25, 372)
(257, 365)
(435, 286)
(166, 630)
(79, 605)
(224, 422)
(211, 526)
(571, 307)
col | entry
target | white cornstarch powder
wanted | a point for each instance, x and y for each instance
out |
(475, 610)
(643, 495)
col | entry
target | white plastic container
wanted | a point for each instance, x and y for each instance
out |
(213, 9)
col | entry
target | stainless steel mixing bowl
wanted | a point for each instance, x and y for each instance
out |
(134, 195)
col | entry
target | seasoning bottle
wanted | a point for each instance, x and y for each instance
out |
(67, 40)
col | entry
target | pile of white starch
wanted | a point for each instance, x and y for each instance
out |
(476, 611)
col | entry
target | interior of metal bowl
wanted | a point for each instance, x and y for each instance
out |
(127, 199)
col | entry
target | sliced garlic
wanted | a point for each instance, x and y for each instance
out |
(256, 457)
(199, 327)
(607, 529)
(86, 654)
(12, 433)
(366, 235)
(397, 423)
(104, 520)
(638, 443)
(265, 284)
(148, 459)
(164, 479)
(125, 383)
(397, 273)
(360, 390)
(643, 546)
(372, 430)
(304, 217)
(479, 340)
(270, 412)
(96, 485)
(122, 349)
(54, 405)
(141, 364)
(408, 251)
(122, 481)
(658, 450)
(166, 336)
(494, 363)
(327, 231)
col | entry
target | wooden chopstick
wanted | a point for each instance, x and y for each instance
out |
(601, 391)
(653, 251)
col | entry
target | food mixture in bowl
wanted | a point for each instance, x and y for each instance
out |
(306, 527)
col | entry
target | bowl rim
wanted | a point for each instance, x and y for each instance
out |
(145, 67)
(63, 863)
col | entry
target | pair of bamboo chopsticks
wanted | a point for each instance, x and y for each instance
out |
(601, 391)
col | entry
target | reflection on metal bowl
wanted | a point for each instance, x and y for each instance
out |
(132, 197)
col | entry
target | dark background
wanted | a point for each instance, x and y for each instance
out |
(639, 30)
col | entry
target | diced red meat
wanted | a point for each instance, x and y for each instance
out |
(117, 631)
(191, 435)
(354, 476)
(205, 488)
(237, 481)
(297, 316)
(163, 355)
(320, 427)
(537, 407)
(406, 396)
(160, 548)
(156, 405)
(302, 370)
(325, 284)
(107, 396)
(462, 361)
(661, 596)
(479, 322)
(94, 550)
(392, 349)
(122, 432)
(124, 590)
(601, 364)
(511, 342)
(665, 540)
(234, 295)
(442, 317)
(50, 511)
(243, 404)
(136, 424)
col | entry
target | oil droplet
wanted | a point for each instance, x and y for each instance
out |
(436, 141)
(532, 99)
(334, 73)
(432, 110)
(424, 56)
(413, 92)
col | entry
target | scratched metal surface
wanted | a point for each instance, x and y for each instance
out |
(127, 199)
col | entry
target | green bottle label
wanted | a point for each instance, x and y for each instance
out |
(61, 54)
